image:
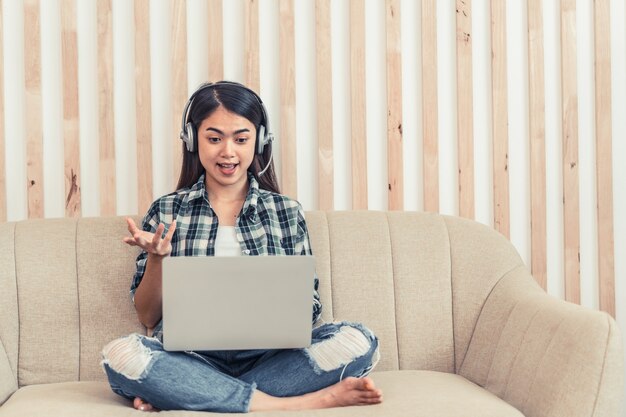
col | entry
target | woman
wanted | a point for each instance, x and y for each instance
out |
(227, 203)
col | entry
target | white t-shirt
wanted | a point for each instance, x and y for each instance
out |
(226, 243)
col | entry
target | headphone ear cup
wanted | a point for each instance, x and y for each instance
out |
(261, 140)
(190, 137)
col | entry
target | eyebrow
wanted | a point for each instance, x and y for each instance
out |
(236, 132)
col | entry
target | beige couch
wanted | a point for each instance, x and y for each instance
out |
(464, 330)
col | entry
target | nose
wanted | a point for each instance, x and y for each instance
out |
(228, 149)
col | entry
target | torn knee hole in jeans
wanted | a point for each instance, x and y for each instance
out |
(127, 356)
(340, 349)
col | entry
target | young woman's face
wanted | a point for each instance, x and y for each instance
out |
(226, 148)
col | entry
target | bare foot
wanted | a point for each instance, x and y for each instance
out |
(350, 391)
(141, 405)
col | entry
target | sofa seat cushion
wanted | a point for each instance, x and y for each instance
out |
(406, 393)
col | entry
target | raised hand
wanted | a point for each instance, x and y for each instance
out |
(151, 242)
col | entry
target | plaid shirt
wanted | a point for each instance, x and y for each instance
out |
(269, 224)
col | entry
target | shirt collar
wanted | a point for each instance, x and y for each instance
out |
(198, 190)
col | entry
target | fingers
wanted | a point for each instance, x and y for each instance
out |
(170, 233)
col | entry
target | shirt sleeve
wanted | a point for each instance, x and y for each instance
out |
(149, 223)
(306, 250)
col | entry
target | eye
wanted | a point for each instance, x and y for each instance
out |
(214, 139)
(241, 140)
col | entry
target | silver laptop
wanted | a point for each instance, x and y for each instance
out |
(232, 303)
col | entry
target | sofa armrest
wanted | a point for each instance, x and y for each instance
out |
(545, 356)
(8, 381)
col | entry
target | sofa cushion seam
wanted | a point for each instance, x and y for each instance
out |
(17, 302)
(606, 351)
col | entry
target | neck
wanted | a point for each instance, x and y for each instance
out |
(235, 192)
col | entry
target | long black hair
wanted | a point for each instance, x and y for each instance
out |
(237, 99)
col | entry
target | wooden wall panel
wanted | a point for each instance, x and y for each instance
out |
(288, 99)
(3, 189)
(143, 105)
(325, 159)
(179, 79)
(430, 103)
(251, 35)
(106, 132)
(34, 130)
(394, 107)
(357, 103)
(537, 143)
(500, 118)
(216, 41)
(71, 144)
(571, 209)
(465, 126)
(604, 153)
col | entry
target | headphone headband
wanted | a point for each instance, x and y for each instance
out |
(188, 132)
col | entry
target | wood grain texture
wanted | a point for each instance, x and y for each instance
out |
(537, 133)
(106, 132)
(3, 186)
(395, 164)
(34, 132)
(465, 124)
(216, 41)
(71, 143)
(179, 80)
(325, 158)
(604, 152)
(500, 118)
(287, 99)
(143, 105)
(571, 204)
(251, 39)
(357, 101)
(430, 130)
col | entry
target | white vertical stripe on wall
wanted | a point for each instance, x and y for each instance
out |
(411, 12)
(446, 84)
(52, 108)
(233, 40)
(554, 158)
(519, 146)
(14, 107)
(197, 38)
(269, 59)
(376, 104)
(124, 106)
(618, 96)
(160, 79)
(306, 103)
(342, 166)
(483, 149)
(87, 44)
(589, 291)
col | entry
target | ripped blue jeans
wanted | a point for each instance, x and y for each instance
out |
(224, 381)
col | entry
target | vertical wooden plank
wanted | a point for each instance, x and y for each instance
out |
(465, 126)
(3, 187)
(216, 41)
(179, 79)
(251, 34)
(571, 209)
(500, 118)
(143, 105)
(288, 99)
(430, 106)
(108, 203)
(537, 143)
(34, 132)
(69, 49)
(357, 100)
(324, 104)
(606, 250)
(394, 107)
